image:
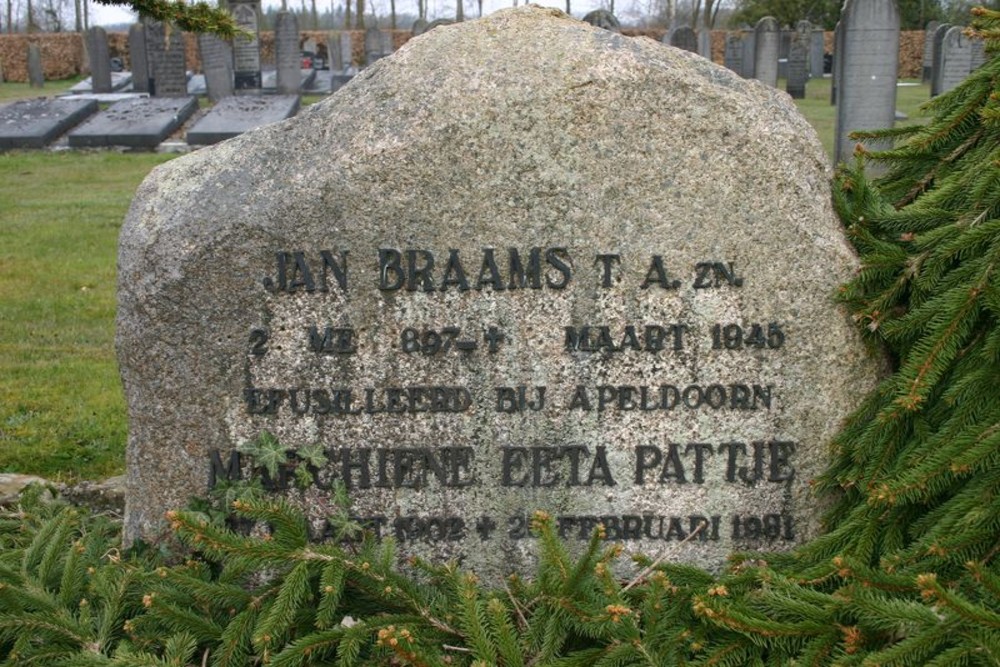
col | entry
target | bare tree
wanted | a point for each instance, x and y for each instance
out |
(359, 15)
(392, 14)
(347, 14)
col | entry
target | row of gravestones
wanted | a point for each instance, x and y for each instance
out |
(949, 56)
(759, 53)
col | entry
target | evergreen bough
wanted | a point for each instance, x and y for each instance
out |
(906, 573)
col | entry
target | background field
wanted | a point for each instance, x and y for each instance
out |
(62, 414)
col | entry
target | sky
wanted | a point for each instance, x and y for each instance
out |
(104, 15)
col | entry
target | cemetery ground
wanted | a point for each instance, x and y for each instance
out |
(62, 414)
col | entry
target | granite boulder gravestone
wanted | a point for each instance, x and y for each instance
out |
(456, 292)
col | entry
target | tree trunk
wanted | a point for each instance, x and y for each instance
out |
(347, 15)
(480, 3)
(392, 14)
(459, 11)
(30, 27)
(567, 6)
(359, 15)
(86, 14)
(10, 16)
(315, 16)
(78, 15)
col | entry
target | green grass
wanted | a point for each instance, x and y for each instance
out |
(62, 414)
(822, 115)
(10, 92)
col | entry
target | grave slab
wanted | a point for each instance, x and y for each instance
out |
(137, 123)
(36, 123)
(235, 115)
(119, 81)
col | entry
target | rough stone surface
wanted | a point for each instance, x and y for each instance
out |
(236, 115)
(36, 123)
(137, 122)
(867, 72)
(103, 496)
(542, 132)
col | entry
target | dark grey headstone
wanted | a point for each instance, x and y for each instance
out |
(138, 62)
(937, 61)
(137, 123)
(246, 50)
(373, 45)
(36, 123)
(866, 92)
(956, 58)
(287, 55)
(733, 56)
(165, 50)
(100, 59)
(765, 63)
(36, 75)
(236, 115)
(419, 27)
(684, 37)
(388, 44)
(817, 53)
(928, 60)
(798, 60)
(602, 18)
(749, 53)
(217, 64)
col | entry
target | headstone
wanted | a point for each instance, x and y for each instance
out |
(246, 48)
(388, 45)
(766, 36)
(685, 38)
(928, 60)
(784, 44)
(937, 61)
(165, 50)
(334, 49)
(798, 60)
(37, 123)
(866, 80)
(749, 52)
(373, 45)
(602, 18)
(100, 59)
(287, 54)
(136, 123)
(419, 27)
(705, 43)
(347, 51)
(235, 115)
(138, 62)
(733, 56)
(448, 324)
(817, 54)
(956, 58)
(837, 64)
(217, 64)
(978, 53)
(36, 75)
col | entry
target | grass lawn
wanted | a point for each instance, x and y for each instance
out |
(20, 91)
(62, 413)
